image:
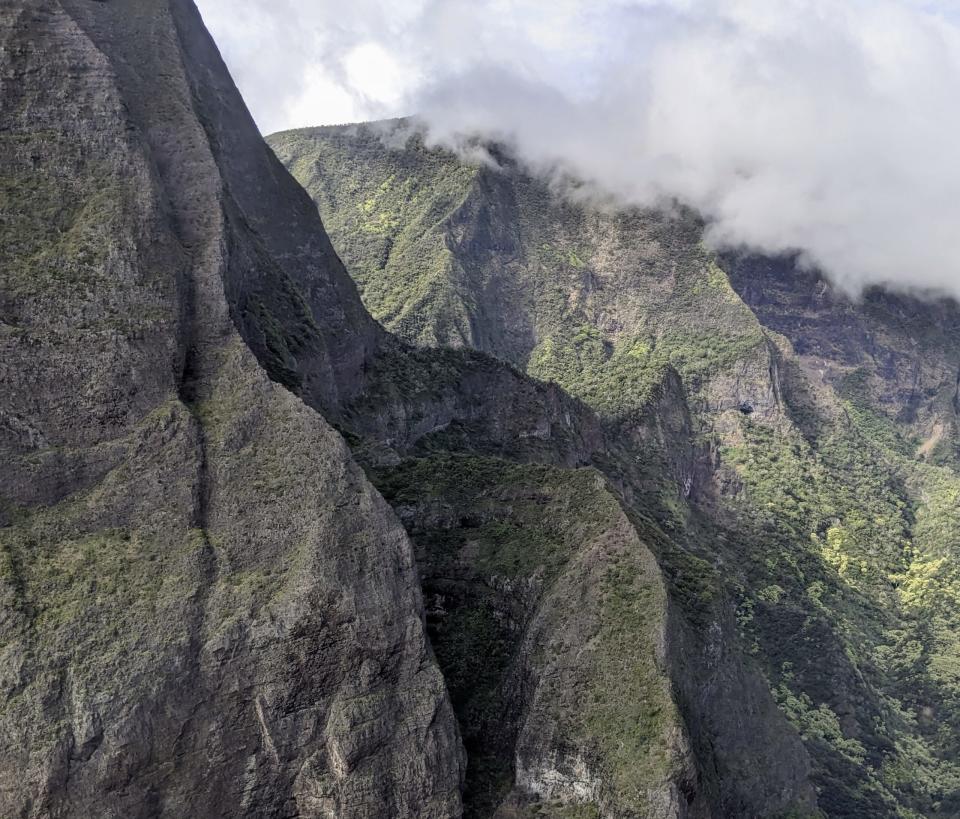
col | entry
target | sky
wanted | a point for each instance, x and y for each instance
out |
(830, 128)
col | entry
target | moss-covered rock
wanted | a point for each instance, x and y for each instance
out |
(548, 616)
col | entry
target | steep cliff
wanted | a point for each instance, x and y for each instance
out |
(801, 514)
(206, 608)
(548, 615)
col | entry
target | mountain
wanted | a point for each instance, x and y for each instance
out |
(207, 610)
(789, 453)
(534, 507)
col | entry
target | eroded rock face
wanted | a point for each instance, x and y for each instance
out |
(897, 351)
(207, 610)
(549, 615)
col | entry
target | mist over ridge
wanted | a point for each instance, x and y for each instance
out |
(824, 127)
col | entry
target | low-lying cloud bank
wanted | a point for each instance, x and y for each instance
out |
(828, 127)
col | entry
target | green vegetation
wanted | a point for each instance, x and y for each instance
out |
(834, 525)
(58, 231)
(628, 711)
(388, 213)
(559, 810)
(284, 324)
(497, 544)
(67, 236)
(619, 381)
(841, 554)
(444, 255)
(89, 606)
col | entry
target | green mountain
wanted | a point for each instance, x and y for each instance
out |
(795, 452)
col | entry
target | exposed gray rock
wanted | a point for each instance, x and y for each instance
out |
(207, 610)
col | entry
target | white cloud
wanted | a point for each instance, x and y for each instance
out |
(301, 63)
(321, 92)
(827, 126)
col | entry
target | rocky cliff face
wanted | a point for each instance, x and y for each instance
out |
(787, 453)
(206, 608)
(896, 351)
(548, 615)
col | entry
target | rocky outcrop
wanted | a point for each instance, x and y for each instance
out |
(207, 610)
(752, 762)
(460, 400)
(899, 352)
(549, 617)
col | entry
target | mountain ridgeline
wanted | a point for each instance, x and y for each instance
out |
(788, 454)
(528, 507)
